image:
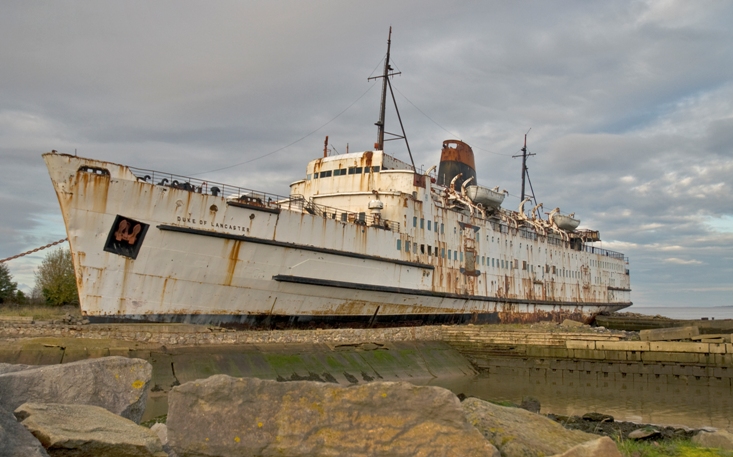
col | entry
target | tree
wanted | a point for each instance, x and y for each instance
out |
(56, 280)
(7, 286)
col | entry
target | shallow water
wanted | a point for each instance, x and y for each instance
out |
(645, 402)
(689, 312)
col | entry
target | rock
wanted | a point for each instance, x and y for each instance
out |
(601, 447)
(117, 384)
(643, 433)
(517, 432)
(718, 439)
(531, 404)
(597, 417)
(86, 430)
(12, 368)
(225, 416)
(571, 323)
(162, 431)
(15, 440)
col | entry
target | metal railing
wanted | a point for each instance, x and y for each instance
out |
(604, 252)
(263, 199)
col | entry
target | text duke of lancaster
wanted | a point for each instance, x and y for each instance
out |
(190, 220)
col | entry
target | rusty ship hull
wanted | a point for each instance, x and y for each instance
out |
(362, 240)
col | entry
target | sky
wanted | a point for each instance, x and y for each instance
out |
(628, 105)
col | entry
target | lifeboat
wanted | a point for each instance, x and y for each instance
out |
(565, 222)
(486, 197)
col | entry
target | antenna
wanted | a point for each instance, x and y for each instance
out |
(524, 163)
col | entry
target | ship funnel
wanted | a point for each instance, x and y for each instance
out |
(456, 157)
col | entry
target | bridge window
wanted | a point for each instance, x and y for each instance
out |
(375, 169)
(326, 174)
(339, 172)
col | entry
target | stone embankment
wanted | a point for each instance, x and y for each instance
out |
(197, 335)
(612, 355)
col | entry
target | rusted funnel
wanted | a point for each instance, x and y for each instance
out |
(456, 157)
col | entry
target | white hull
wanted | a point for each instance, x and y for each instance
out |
(201, 258)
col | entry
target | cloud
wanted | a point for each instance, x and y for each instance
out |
(682, 261)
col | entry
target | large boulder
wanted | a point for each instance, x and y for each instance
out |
(601, 447)
(225, 416)
(12, 368)
(15, 440)
(517, 432)
(718, 439)
(85, 430)
(117, 384)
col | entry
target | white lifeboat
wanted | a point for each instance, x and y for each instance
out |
(566, 222)
(488, 198)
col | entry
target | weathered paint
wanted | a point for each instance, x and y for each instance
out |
(187, 274)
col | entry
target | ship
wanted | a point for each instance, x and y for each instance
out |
(363, 239)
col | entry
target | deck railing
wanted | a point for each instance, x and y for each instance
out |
(259, 198)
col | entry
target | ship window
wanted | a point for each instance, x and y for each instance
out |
(339, 172)
(483, 260)
(502, 263)
(441, 228)
(422, 249)
(455, 255)
(442, 252)
(326, 174)
(449, 252)
(407, 246)
(430, 250)
(375, 169)
(315, 175)
(492, 262)
(422, 223)
(399, 245)
(352, 170)
(308, 177)
(524, 264)
(454, 230)
(414, 248)
(429, 225)
(435, 224)
(414, 221)
(461, 256)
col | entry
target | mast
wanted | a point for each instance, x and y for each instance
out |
(380, 124)
(379, 145)
(524, 165)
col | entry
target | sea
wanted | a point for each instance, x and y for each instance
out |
(688, 312)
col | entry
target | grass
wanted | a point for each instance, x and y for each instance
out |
(39, 312)
(675, 447)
